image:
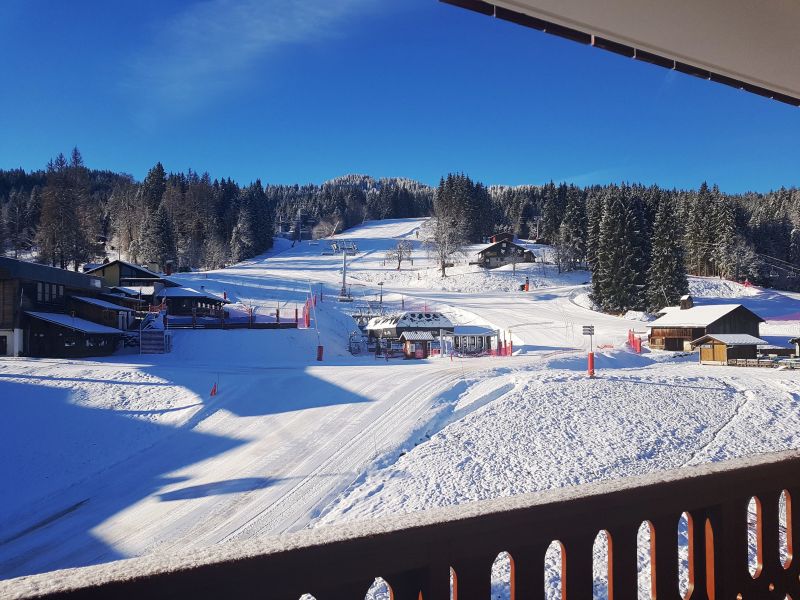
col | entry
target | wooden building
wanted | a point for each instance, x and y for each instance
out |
(719, 348)
(119, 273)
(101, 311)
(417, 344)
(470, 340)
(30, 294)
(505, 236)
(183, 301)
(502, 253)
(64, 336)
(678, 328)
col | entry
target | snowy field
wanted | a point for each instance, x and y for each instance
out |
(129, 455)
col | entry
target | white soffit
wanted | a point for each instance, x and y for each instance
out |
(749, 44)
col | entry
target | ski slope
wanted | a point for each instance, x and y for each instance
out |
(129, 455)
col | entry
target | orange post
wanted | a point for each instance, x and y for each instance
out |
(591, 364)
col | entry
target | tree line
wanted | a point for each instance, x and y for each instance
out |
(639, 242)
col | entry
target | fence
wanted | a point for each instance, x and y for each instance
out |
(634, 341)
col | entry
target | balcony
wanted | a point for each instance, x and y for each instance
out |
(422, 555)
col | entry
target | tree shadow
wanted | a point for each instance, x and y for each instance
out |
(231, 486)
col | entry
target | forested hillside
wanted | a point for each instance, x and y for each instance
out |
(639, 242)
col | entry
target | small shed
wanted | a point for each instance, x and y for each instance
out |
(65, 336)
(719, 348)
(188, 301)
(101, 311)
(416, 344)
(796, 342)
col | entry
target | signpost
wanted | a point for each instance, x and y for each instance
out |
(589, 330)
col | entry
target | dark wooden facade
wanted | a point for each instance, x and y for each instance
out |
(504, 253)
(47, 339)
(676, 338)
(121, 273)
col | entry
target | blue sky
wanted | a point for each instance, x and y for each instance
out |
(306, 90)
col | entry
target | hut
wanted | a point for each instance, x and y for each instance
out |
(719, 348)
(470, 340)
(678, 327)
(101, 311)
(184, 301)
(502, 253)
(417, 344)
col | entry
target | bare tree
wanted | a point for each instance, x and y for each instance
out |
(400, 252)
(444, 239)
(323, 229)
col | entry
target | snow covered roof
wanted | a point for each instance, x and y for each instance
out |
(71, 322)
(473, 330)
(731, 339)
(102, 303)
(136, 290)
(417, 336)
(482, 249)
(127, 264)
(428, 320)
(185, 292)
(697, 316)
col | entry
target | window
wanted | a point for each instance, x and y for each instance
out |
(61, 291)
(47, 292)
(39, 291)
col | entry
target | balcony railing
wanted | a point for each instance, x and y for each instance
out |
(419, 555)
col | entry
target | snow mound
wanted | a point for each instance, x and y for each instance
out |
(712, 287)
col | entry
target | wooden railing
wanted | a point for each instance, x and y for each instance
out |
(420, 554)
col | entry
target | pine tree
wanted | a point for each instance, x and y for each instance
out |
(158, 238)
(666, 277)
(154, 186)
(572, 232)
(243, 238)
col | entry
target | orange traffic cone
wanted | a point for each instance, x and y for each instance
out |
(214, 390)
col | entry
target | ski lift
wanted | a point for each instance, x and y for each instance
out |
(773, 272)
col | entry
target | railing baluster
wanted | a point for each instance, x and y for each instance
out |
(578, 579)
(665, 565)
(473, 580)
(772, 574)
(730, 531)
(527, 580)
(623, 563)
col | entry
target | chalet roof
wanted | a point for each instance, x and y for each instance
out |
(136, 290)
(419, 320)
(71, 322)
(11, 268)
(473, 330)
(102, 303)
(144, 270)
(185, 292)
(486, 247)
(698, 316)
(731, 339)
(417, 336)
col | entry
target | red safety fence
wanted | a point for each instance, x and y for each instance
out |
(635, 342)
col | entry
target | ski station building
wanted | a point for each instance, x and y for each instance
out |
(503, 252)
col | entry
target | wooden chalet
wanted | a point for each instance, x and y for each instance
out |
(719, 348)
(679, 327)
(502, 253)
(37, 303)
(184, 301)
(101, 311)
(505, 236)
(119, 273)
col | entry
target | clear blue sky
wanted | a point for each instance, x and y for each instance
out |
(305, 90)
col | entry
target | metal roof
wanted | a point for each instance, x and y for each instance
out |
(71, 322)
(731, 339)
(417, 336)
(11, 268)
(102, 303)
(144, 270)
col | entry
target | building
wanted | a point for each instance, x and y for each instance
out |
(796, 342)
(505, 236)
(502, 253)
(119, 273)
(34, 301)
(101, 311)
(470, 340)
(719, 348)
(393, 326)
(678, 328)
(187, 301)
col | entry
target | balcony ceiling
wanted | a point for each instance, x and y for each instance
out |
(754, 45)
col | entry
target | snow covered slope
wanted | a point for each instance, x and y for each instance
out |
(130, 454)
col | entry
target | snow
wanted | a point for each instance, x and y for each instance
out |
(733, 339)
(130, 455)
(697, 316)
(75, 323)
(102, 303)
(186, 292)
